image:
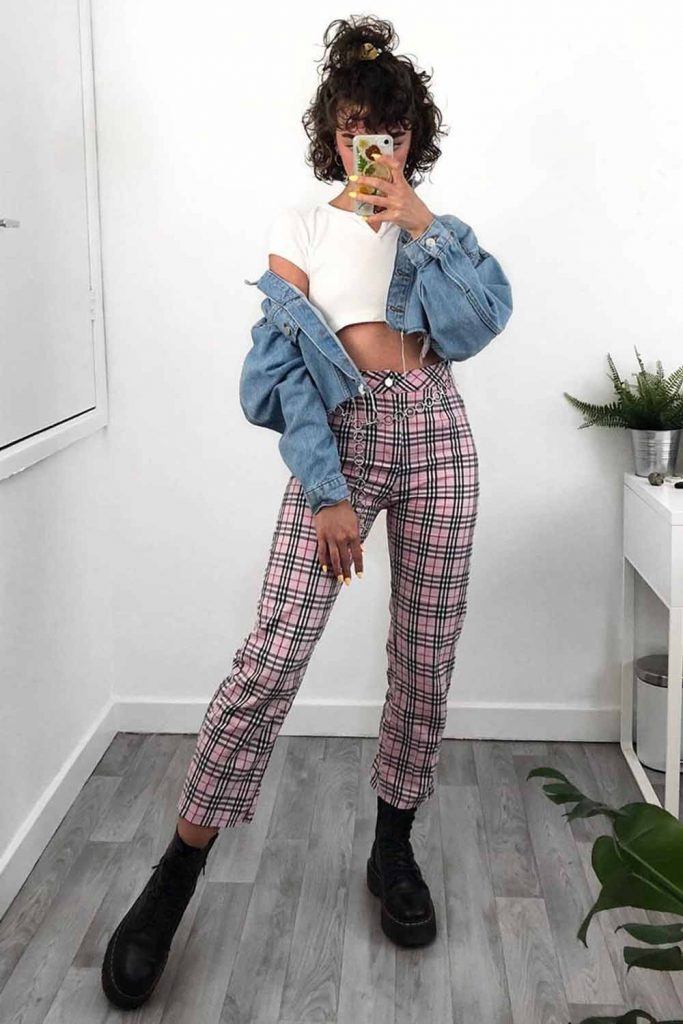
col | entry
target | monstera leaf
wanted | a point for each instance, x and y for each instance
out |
(639, 865)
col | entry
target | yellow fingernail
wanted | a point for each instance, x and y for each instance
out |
(339, 579)
(359, 575)
(352, 194)
(347, 580)
(324, 568)
(353, 177)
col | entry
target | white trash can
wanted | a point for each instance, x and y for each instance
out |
(652, 680)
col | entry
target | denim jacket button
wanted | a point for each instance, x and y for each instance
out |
(361, 388)
(431, 242)
(286, 328)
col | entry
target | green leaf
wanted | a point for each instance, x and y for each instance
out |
(622, 886)
(550, 773)
(654, 933)
(564, 789)
(654, 403)
(670, 959)
(566, 792)
(650, 842)
(587, 808)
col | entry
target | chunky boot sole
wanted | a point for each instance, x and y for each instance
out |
(113, 993)
(403, 933)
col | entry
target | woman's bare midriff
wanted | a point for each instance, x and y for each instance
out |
(377, 346)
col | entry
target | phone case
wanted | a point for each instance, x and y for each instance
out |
(364, 148)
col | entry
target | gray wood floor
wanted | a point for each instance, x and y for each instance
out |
(282, 929)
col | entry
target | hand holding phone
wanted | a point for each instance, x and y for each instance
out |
(365, 148)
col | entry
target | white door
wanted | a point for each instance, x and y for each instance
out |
(51, 338)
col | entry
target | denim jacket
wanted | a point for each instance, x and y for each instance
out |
(297, 370)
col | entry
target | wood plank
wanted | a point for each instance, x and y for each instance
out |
(533, 973)
(35, 981)
(293, 810)
(117, 757)
(423, 976)
(254, 991)
(524, 748)
(80, 999)
(456, 765)
(580, 1011)
(511, 859)
(368, 975)
(29, 907)
(479, 984)
(137, 788)
(614, 777)
(311, 986)
(201, 979)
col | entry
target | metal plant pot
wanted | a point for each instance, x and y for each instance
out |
(655, 451)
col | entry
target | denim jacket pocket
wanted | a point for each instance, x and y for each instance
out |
(278, 315)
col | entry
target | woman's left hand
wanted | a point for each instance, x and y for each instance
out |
(400, 201)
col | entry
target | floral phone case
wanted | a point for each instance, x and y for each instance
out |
(365, 147)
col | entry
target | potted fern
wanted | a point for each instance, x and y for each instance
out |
(639, 865)
(652, 411)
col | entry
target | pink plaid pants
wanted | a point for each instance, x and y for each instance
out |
(413, 455)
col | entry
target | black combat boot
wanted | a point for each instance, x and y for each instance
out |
(408, 916)
(139, 947)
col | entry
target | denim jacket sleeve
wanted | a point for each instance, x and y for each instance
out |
(462, 288)
(277, 391)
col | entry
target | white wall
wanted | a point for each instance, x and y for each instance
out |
(565, 158)
(55, 642)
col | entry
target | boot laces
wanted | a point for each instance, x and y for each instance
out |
(397, 860)
(168, 890)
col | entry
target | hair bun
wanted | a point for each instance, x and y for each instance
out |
(358, 38)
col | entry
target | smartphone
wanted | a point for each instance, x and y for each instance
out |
(365, 147)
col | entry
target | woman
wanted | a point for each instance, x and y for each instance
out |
(402, 444)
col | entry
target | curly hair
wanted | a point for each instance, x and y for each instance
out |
(387, 92)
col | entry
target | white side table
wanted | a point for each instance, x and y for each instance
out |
(653, 548)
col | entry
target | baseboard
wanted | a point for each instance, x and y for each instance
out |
(569, 722)
(27, 844)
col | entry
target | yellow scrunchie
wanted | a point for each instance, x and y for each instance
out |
(368, 52)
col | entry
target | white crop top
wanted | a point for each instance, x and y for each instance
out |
(349, 264)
